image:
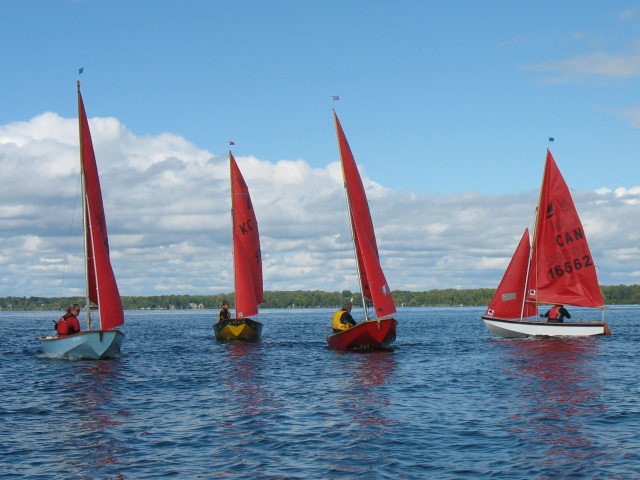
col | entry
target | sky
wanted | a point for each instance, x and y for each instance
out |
(449, 108)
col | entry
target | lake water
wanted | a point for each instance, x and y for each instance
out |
(450, 401)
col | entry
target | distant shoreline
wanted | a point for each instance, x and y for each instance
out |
(613, 295)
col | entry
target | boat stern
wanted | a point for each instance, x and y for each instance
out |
(244, 329)
(376, 334)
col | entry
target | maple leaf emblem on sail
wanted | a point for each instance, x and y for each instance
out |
(550, 212)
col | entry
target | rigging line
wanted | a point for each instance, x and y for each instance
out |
(227, 251)
(66, 254)
(222, 270)
(341, 267)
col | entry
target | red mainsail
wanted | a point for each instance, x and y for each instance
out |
(509, 297)
(247, 259)
(373, 283)
(562, 268)
(101, 282)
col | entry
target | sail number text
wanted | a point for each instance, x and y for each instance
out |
(568, 267)
(572, 254)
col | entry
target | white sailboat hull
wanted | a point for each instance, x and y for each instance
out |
(521, 329)
(94, 344)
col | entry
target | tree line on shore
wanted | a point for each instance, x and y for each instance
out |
(613, 295)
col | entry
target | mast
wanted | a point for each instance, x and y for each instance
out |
(353, 232)
(535, 225)
(233, 224)
(85, 227)
(534, 237)
(526, 278)
(534, 250)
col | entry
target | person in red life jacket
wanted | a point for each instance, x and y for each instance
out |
(557, 313)
(68, 323)
(342, 319)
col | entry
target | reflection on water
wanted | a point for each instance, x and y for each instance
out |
(374, 368)
(86, 418)
(241, 419)
(363, 407)
(241, 416)
(372, 372)
(100, 416)
(556, 391)
(241, 381)
(100, 419)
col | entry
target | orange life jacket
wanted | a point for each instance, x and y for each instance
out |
(554, 313)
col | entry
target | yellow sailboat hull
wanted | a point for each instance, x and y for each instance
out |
(244, 329)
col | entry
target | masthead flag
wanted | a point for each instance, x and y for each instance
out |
(80, 70)
(232, 142)
(551, 139)
(335, 97)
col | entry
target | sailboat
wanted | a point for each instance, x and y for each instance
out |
(556, 269)
(101, 288)
(247, 264)
(372, 333)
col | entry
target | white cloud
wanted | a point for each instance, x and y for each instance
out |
(592, 65)
(629, 14)
(167, 211)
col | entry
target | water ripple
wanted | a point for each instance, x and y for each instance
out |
(449, 401)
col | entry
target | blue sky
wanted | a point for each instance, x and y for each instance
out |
(442, 102)
(434, 88)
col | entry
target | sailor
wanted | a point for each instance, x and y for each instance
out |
(557, 313)
(224, 313)
(342, 319)
(68, 323)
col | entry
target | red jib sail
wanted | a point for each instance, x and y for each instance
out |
(247, 259)
(102, 287)
(562, 268)
(509, 297)
(373, 283)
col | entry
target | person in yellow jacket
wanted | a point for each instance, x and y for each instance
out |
(342, 319)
